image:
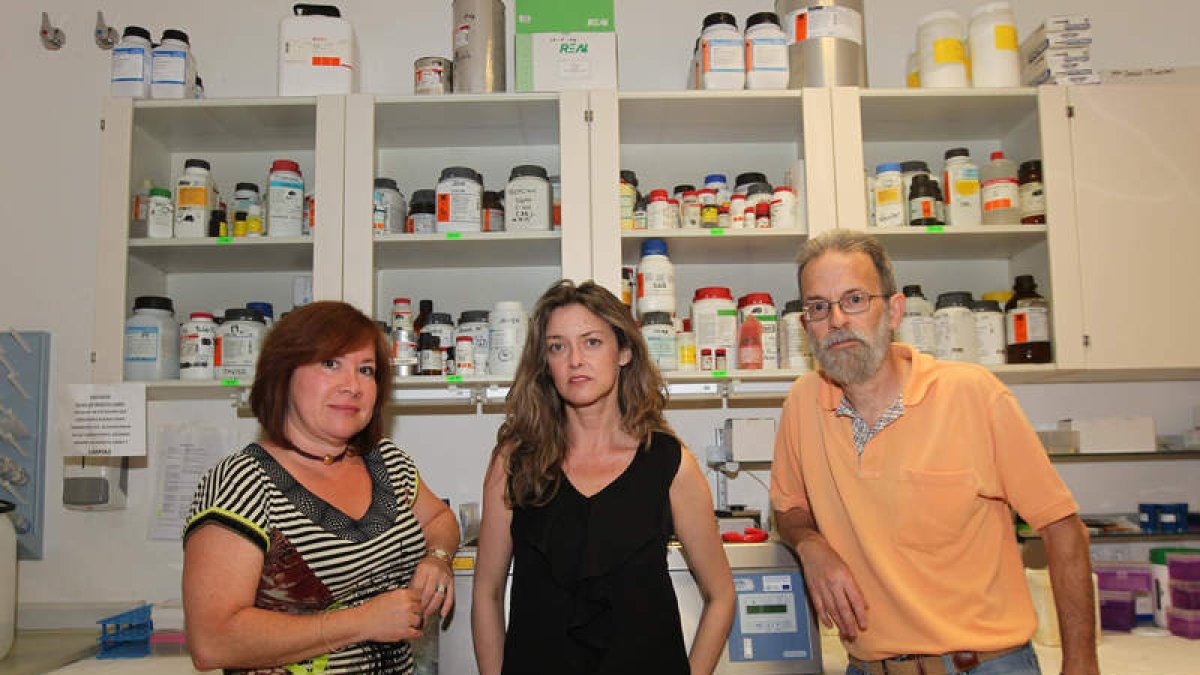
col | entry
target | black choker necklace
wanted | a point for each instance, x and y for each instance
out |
(324, 459)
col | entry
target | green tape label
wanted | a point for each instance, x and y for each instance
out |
(454, 235)
(720, 373)
(936, 228)
(224, 240)
(716, 232)
(231, 382)
(454, 378)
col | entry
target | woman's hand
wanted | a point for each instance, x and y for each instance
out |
(392, 616)
(433, 580)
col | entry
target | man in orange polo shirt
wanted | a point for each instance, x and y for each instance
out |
(893, 480)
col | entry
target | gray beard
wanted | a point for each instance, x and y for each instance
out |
(859, 363)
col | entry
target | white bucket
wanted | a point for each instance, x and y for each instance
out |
(942, 50)
(317, 53)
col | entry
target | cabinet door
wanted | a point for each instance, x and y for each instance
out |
(1135, 148)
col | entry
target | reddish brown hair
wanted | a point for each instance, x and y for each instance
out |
(313, 333)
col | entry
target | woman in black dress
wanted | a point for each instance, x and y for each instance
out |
(586, 485)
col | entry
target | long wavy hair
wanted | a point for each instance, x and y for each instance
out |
(534, 432)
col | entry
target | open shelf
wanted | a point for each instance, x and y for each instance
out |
(1124, 456)
(710, 116)
(719, 246)
(939, 114)
(466, 120)
(233, 124)
(468, 249)
(211, 254)
(947, 242)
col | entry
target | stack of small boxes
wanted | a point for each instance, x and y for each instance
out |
(1059, 52)
(1183, 612)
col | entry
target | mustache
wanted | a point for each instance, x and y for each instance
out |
(841, 335)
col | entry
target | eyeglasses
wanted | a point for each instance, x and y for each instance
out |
(852, 302)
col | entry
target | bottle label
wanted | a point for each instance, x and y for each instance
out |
(825, 21)
(141, 344)
(722, 55)
(1000, 194)
(920, 208)
(656, 284)
(128, 64)
(766, 55)
(949, 50)
(1027, 324)
(1006, 38)
(1033, 200)
(170, 67)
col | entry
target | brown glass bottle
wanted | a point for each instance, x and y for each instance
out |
(1027, 324)
(422, 318)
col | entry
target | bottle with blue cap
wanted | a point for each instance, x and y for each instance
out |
(718, 182)
(655, 279)
(889, 195)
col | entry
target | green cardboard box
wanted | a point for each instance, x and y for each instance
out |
(565, 44)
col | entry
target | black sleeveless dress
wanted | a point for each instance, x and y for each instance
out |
(590, 589)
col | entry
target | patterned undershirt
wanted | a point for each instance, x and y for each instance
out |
(864, 432)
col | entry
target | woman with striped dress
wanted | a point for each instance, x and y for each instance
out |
(317, 549)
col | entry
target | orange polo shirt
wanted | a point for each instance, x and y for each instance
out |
(923, 518)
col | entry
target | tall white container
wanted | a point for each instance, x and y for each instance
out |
(995, 55)
(942, 50)
(131, 67)
(656, 279)
(8, 579)
(506, 334)
(317, 52)
(285, 199)
(151, 340)
(766, 53)
(720, 56)
(172, 69)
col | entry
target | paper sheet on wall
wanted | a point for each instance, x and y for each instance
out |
(189, 449)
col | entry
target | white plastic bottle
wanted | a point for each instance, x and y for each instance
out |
(317, 52)
(917, 326)
(655, 279)
(960, 180)
(715, 321)
(285, 200)
(151, 340)
(239, 341)
(173, 71)
(1001, 191)
(506, 337)
(955, 327)
(889, 197)
(160, 216)
(527, 200)
(766, 52)
(721, 58)
(992, 36)
(197, 347)
(131, 67)
(194, 198)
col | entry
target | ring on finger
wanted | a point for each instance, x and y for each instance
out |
(441, 588)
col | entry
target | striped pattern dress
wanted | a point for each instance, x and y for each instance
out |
(315, 557)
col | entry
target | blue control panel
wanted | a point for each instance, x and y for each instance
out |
(772, 621)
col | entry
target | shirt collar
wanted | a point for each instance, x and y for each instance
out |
(916, 384)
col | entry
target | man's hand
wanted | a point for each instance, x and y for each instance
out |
(834, 592)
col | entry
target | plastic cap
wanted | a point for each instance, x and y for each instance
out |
(252, 187)
(761, 17)
(197, 163)
(914, 165)
(264, 308)
(628, 176)
(406, 301)
(913, 291)
(473, 316)
(175, 34)
(509, 307)
(1031, 165)
(750, 177)
(755, 299)
(712, 293)
(136, 31)
(954, 299)
(428, 197)
(460, 172)
(887, 166)
(441, 317)
(793, 306)
(243, 314)
(719, 18)
(202, 316)
(529, 170)
(654, 247)
(940, 15)
(714, 178)
(997, 155)
(153, 302)
(683, 188)
(659, 195)
(426, 306)
(316, 10)
(991, 7)
(957, 152)
(386, 183)
(1024, 282)
(160, 192)
(759, 189)
(285, 165)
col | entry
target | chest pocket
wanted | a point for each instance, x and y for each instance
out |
(933, 508)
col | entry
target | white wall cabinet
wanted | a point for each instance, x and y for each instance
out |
(1116, 234)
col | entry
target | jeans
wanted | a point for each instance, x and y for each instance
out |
(1021, 662)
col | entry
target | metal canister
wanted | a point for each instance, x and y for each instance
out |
(827, 45)
(433, 75)
(478, 39)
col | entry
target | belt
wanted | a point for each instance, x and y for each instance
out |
(930, 664)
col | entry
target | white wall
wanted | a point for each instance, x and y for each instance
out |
(49, 196)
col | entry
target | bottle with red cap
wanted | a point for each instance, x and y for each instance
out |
(714, 319)
(1001, 192)
(758, 332)
(285, 200)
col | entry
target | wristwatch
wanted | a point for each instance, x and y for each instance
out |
(440, 555)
